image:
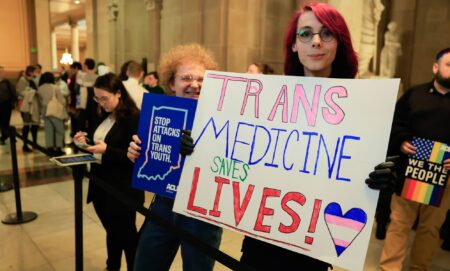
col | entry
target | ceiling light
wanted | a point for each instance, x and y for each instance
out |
(66, 59)
(77, 2)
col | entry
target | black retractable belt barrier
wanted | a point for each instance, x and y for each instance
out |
(214, 253)
(78, 174)
(19, 217)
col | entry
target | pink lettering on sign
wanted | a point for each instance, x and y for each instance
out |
(252, 90)
(339, 114)
(310, 110)
(225, 79)
(282, 100)
(332, 113)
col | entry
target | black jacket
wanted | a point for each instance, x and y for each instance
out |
(116, 168)
(421, 112)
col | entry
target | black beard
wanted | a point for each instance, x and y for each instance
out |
(445, 82)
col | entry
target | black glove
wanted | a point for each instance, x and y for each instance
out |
(384, 176)
(187, 143)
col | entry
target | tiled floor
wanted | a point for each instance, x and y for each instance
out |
(47, 243)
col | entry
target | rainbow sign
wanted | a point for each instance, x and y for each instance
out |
(425, 176)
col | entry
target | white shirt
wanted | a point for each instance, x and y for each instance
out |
(101, 132)
(88, 79)
(135, 90)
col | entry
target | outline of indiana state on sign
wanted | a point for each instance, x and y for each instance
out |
(158, 169)
(425, 177)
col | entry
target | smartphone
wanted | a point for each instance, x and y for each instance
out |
(82, 145)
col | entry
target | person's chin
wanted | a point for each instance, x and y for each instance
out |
(191, 96)
(317, 66)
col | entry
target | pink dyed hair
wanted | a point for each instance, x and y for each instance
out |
(345, 65)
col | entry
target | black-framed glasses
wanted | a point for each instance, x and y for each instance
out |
(306, 35)
(102, 99)
(189, 78)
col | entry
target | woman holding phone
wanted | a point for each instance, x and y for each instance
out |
(118, 121)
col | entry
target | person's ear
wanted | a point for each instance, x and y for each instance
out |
(435, 68)
(172, 86)
(294, 47)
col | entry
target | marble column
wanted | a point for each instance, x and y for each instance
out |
(113, 13)
(75, 41)
(153, 8)
(91, 24)
(43, 34)
(54, 50)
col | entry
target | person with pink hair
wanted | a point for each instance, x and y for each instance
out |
(317, 44)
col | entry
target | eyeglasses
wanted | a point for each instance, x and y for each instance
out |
(305, 35)
(102, 99)
(189, 78)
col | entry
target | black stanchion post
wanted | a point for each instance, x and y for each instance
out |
(78, 174)
(19, 217)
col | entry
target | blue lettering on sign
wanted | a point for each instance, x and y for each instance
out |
(274, 145)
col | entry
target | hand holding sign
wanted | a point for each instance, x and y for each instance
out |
(134, 150)
(383, 176)
(187, 143)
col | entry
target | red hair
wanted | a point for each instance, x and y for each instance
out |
(345, 64)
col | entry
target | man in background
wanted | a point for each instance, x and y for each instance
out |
(136, 91)
(85, 103)
(424, 112)
(74, 88)
(151, 83)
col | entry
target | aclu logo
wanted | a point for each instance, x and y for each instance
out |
(171, 187)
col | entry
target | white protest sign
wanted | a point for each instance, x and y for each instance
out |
(284, 159)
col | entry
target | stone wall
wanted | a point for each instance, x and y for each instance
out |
(431, 34)
(237, 31)
(14, 30)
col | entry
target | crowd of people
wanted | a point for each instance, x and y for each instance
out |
(104, 109)
(73, 89)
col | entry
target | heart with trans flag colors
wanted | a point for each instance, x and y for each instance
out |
(344, 228)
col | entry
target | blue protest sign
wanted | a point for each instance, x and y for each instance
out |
(158, 169)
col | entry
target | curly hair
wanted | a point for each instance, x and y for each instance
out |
(345, 65)
(189, 53)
